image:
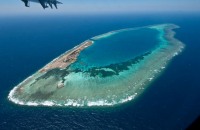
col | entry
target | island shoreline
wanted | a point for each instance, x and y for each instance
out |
(169, 35)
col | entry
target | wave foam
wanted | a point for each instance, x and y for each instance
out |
(71, 102)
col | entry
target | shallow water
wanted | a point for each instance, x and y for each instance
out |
(120, 46)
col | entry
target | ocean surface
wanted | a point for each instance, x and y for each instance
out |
(27, 43)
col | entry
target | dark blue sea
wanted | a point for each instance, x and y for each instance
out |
(27, 43)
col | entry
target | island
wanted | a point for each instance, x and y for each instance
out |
(106, 70)
(66, 59)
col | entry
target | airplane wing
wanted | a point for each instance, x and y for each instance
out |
(55, 2)
(42, 2)
(50, 4)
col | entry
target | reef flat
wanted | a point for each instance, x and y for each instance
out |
(105, 70)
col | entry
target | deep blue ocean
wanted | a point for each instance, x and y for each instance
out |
(27, 43)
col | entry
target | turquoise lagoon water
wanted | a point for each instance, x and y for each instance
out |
(118, 46)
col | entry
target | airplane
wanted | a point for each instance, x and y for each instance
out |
(44, 3)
